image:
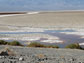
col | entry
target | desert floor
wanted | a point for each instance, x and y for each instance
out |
(41, 55)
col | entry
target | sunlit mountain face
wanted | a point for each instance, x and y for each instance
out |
(41, 5)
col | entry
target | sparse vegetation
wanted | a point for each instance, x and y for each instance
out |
(13, 43)
(2, 42)
(52, 46)
(74, 46)
(35, 44)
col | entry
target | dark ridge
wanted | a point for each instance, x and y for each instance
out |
(7, 13)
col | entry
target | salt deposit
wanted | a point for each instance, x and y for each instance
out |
(52, 41)
(31, 38)
(33, 12)
(81, 44)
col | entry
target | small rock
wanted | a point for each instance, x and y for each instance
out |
(21, 59)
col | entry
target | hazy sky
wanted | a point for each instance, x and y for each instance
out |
(37, 5)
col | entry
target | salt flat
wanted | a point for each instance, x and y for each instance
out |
(43, 25)
(45, 19)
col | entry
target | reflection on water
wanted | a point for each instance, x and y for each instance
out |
(47, 37)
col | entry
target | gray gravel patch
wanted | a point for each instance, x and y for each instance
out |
(43, 55)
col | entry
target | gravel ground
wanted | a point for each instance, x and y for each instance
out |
(43, 55)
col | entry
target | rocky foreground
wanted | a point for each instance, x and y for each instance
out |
(40, 55)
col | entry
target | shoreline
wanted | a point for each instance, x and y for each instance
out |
(25, 12)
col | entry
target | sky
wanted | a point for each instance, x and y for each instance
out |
(41, 5)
